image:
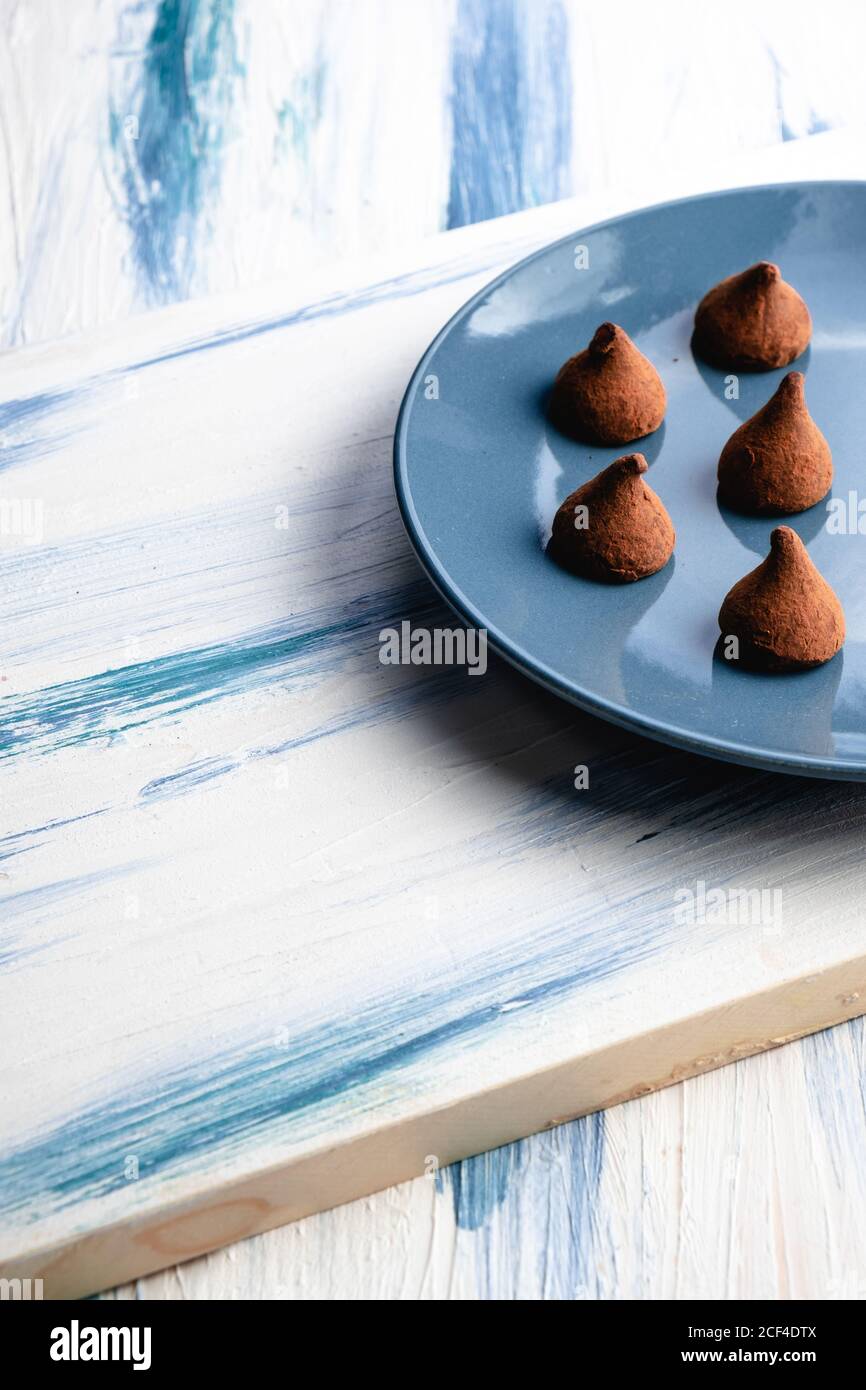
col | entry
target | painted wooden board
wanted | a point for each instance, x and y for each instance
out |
(744, 1182)
(282, 924)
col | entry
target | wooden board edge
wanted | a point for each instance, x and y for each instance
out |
(227, 1212)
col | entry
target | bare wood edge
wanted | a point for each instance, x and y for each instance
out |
(401, 1151)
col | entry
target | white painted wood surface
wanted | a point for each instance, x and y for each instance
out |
(150, 151)
(743, 1183)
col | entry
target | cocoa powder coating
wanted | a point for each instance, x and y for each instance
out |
(614, 528)
(752, 322)
(784, 613)
(778, 461)
(609, 393)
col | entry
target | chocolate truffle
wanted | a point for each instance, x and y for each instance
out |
(613, 528)
(784, 613)
(609, 393)
(778, 461)
(752, 322)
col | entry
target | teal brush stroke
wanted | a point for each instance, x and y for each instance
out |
(207, 1111)
(75, 712)
(167, 131)
(300, 114)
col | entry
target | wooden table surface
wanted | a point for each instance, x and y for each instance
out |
(225, 144)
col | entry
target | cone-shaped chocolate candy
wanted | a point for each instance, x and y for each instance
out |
(614, 528)
(752, 322)
(784, 614)
(609, 393)
(778, 461)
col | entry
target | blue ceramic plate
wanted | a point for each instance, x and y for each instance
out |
(480, 473)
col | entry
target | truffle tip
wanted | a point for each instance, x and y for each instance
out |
(603, 338)
(785, 541)
(766, 271)
(793, 384)
(631, 465)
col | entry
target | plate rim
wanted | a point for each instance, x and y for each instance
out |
(725, 750)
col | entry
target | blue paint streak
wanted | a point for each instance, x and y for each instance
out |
(46, 902)
(79, 711)
(481, 1184)
(167, 129)
(333, 306)
(511, 116)
(301, 113)
(283, 1091)
(404, 286)
(549, 1182)
(23, 841)
(429, 688)
(815, 125)
(570, 1260)
(834, 1080)
(207, 1111)
(16, 416)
